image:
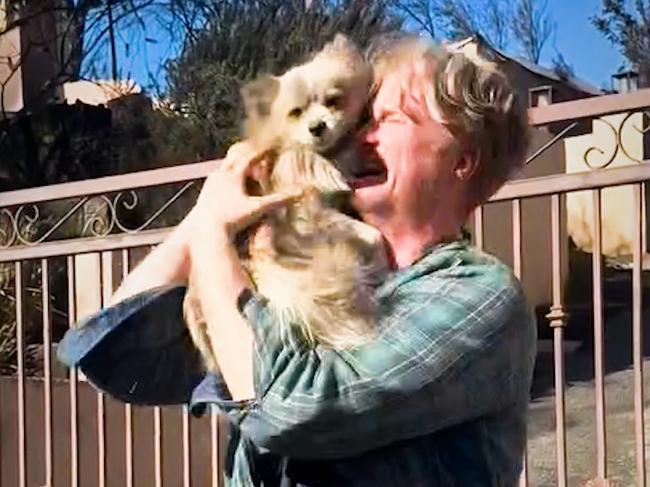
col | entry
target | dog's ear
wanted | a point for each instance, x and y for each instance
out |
(341, 41)
(258, 96)
(342, 45)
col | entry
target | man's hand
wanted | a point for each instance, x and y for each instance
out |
(223, 205)
(222, 209)
(218, 277)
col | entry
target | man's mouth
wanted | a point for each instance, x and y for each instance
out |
(367, 180)
(370, 172)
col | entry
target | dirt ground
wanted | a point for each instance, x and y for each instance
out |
(581, 413)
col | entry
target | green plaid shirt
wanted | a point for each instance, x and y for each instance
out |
(438, 399)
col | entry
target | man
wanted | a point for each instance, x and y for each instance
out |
(439, 397)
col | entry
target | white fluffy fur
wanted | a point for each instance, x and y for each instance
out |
(317, 266)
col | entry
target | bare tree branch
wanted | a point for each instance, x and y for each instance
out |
(420, 12)
(628, 27)
(457, 19)
(532, 27)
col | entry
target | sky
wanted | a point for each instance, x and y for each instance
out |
(593, 58)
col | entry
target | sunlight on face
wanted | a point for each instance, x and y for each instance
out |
(414, 145)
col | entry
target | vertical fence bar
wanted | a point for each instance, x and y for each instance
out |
(516, 264)
(106, 288)
(157, 446)
(101, 441)
(1, 407)
(644, 211)
(187, 482)
(557, 319)
(74, 418)
(157, 433)
(20, 364)
(637, 335)
(214, 439)
(47, 368)
(599, 369)
(478, 226)
(128, 413)
(516, 238)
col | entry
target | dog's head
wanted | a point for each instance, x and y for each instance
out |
(314, 105)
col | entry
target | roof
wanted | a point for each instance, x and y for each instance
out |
(98, 92)
(573, 82)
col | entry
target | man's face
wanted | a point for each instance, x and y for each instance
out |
(416, 149)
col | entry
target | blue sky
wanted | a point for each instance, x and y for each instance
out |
(594, 59)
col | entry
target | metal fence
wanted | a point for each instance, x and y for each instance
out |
(56, 430)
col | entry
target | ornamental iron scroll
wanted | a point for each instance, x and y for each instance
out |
(620, 142)
(31, 224)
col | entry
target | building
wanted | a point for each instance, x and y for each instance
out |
(10, 75)
(40, 50)
(610, 141)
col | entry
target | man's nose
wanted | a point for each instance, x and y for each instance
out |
(369, 134)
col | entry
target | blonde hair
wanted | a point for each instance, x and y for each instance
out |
(476, 100)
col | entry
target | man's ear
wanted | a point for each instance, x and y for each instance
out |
(258, 96)
(467, 164)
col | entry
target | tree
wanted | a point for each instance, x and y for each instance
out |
(628, 28)
(499, 22)
(73, 39)
(562, 67)
(422, 12)
(49, 142)
(242, 39)
(457, 19)
(532, 27)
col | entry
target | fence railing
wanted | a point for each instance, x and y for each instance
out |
(65, 245)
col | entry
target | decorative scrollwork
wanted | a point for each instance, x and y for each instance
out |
(134, 202)
(99, 223)
(7, 228)
(22, 226)
(641, 130)
(99, 216)
(620, 141)
(593, 149)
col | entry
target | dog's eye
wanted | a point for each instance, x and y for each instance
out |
(333, 101)
(295, 113)
(366, 116)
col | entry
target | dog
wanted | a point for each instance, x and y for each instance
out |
(316, 265)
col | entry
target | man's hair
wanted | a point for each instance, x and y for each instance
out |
(476, 100)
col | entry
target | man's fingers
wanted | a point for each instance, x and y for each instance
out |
(276, 200)
(259, 172)
(253, 164)
(238, 154)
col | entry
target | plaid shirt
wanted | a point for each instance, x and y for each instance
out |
(438, 399)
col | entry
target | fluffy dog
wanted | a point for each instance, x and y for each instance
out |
(316, 265)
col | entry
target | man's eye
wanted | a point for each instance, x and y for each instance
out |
(391, 117)
(295, 113)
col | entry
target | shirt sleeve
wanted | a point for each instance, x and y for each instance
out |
(138, 350)
(452, 347)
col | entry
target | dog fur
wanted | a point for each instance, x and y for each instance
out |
(316, 265)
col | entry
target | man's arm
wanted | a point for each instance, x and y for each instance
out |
(222, 210)
(218, 279)
(168, 263)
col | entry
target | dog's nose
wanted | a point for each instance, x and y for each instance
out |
(317, 128)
